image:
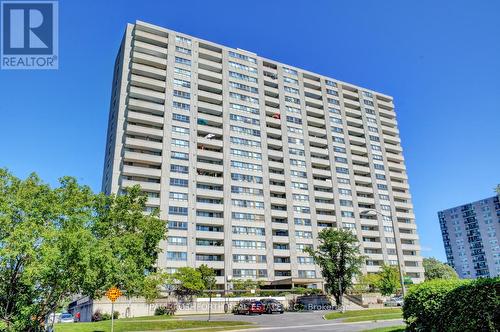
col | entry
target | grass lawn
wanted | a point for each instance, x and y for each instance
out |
(366, 315)
(152, 323)
(399, 328)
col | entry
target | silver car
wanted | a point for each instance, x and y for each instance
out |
(396, 301)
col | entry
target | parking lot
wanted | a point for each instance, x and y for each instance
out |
(299, 321)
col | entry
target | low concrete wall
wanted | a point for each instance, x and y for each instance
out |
(137, 307)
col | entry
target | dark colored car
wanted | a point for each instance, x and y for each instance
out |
(248, 307)
(315, 302)
(272, 305)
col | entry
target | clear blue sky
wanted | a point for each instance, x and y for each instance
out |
(439, 59)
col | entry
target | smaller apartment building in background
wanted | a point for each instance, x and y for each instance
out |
(471, 238)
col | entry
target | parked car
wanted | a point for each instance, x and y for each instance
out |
(272, 305)
(396, 301)
(67, 318)
(315, 302)
(53, 318)
(249, 307)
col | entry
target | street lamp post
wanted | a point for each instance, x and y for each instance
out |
(400, 263)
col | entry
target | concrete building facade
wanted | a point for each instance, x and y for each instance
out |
(248, 159)
(471, 238)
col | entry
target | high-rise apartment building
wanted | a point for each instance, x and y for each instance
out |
(471, 235)
(248, 159)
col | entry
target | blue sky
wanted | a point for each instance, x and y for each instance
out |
(440, 61)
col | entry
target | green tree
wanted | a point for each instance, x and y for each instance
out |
(57, 242)
(188, 281)
(207, 276)
(245, 284)
(388, 279)
(435, 269)
(339, 258)
(367, 283)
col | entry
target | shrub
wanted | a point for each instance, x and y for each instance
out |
(474, 306)
(168, 309)
(106, 316)
(97, 316)
(423, 304)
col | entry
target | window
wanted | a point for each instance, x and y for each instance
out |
(292, 100)
(247, 191)
(244, 98)
(176, 256)
(249, 244)
(177, 225)
(246, 216)
(242, 165)
(242, 57)
(343, 180)
(290, 71)
(303, 234)
(382, 186)
(247, 131)
(178, 196)
(246, 154)
(307, 274)
(248, 230)
(243, 141)
(339, 149)
(242, 77)
(182, 83)
(178, 182)
(345, 192)
(290, 80)
(180, 142)
(244, 108)
(244, 119)
(341, 160)
(378, 166)
(246, 178)
(177, 210)
(182, 94)
(305, 260)
(293, 110)
(347, 214)
(380, 176)
(296, 162)
(297, 152)
(179, 155)
(183, 72)
(299, 185)
(181, 106)
(291, 90)
(293, 119)
(344, 202)
(299, 174)
(247, 204)
(180, 117)
(183, 50)
(180, 39)
(180, 130)
(342, 170)
(243, 87)
(177, 240)
(330, 83)
(302, 221)
(179, 169)
(242, 67)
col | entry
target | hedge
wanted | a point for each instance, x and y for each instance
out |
(472, 307)
(423, 304)
(453, 305)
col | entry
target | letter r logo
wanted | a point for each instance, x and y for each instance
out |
(27, 27)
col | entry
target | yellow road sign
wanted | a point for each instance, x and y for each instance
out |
(113, 293)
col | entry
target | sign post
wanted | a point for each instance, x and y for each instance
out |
(113, 293)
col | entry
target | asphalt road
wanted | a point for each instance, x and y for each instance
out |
(299, 321)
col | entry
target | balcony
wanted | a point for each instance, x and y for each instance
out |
(150, 186)
(144, 118)
(140, 130)
(150, 49)
(145, 106)
(142, 157)
(147, 37)
(148, 71)
(149, 60)
(148, 95)
(143, 144)
(141, 171)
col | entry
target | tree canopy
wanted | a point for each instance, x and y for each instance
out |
(388, 281)
(339, 258)
(435, 269)
(58, 242)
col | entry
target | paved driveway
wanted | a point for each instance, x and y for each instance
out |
(299, 321)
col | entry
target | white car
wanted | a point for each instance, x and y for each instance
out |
(67, 318)
(396, 301)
